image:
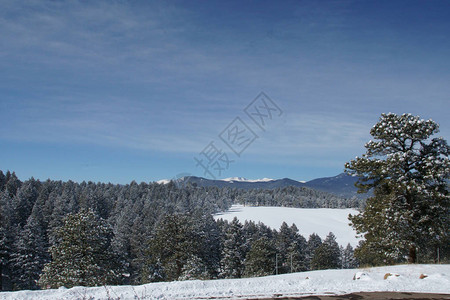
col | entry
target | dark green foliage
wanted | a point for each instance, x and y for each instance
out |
(376, 249)
(291, 250)
(348, 258)
(33, 215)
(408, 171)
(370, 255)
(82, 255)
(260, 260)
(327, 255)
(297, 253)
(314, 242)
(179, 242)
(175, 243)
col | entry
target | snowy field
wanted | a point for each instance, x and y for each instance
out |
(308, 220)
(404, 278)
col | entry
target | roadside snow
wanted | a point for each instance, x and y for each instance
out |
(327, 282)
(308, 220)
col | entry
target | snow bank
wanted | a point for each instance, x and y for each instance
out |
(308, 220)
(334, 282)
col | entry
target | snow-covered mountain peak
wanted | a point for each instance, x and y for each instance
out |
(163, 181)
(242, 179)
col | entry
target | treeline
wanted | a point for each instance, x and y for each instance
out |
(300, 197)
(139, 233)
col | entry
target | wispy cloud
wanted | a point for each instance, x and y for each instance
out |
(168, 77)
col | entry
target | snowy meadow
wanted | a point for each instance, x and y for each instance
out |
(308, 220)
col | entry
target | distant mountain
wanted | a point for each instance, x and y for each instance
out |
(242, 183)
(341, 185)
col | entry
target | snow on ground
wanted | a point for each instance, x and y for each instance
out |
(308, 220)
(328, 282)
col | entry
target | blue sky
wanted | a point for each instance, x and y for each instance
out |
(115, 91)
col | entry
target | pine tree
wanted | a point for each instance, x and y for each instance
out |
(7, 233)
(24, 201)
(30, 255)
(233, 254)
(291, 249)
(174, 243)
(327, 255)
(82, 255)
(250, 233)
(284, 238)
(208, 235)
(348, 258)
(260, 260)
(121, 241)
(296, 252)
(12, 183)
(194, 268)
(408, 172)
(2, 181)
(314, 242)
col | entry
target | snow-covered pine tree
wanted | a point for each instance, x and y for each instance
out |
(7, 232)
(121, 240)
(64, 202)
(30, 255)
(232, 262)
(12, 183)
(4, 257)
(2, 181)
(82, 254)
(24, 201)
(408, 172)
(250, 232)
(208, 235)
(194, 268)
(260, 260)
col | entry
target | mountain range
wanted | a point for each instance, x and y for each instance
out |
(342, 185)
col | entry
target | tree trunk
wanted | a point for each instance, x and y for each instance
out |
(412, 257)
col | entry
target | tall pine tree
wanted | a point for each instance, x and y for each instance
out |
(327, 255)
(260, 260)
(409, 172)
(82, 255)
(30, 255)
(233, 254)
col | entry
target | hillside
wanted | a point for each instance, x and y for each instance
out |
(341, 185)
(405, 278)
